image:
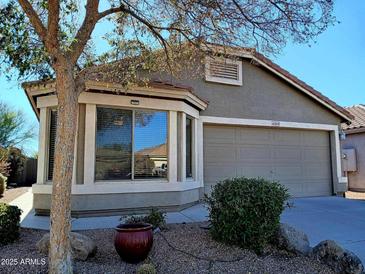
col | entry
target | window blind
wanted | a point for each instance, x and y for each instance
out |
(188, 131)
(113, 144)
(51, 143)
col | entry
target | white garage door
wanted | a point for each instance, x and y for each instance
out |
(299, 159)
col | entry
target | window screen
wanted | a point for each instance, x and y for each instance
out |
(189, 129)
(113, 144)
(51, 143)
(150, 144)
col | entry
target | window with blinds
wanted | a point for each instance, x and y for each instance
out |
(225, 71)
(51, 143)
(130, 144)
(189, 149)
(113, 159)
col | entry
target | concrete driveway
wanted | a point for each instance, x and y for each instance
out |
(334, 218)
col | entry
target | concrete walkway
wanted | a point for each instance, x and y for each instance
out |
(321, 218)
(196, 213)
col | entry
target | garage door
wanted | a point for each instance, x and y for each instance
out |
(299, 159)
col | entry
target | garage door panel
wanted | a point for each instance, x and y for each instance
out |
(315, 138)
(316, 171)
(286, 137)
(295, 188)
(315, 154)
(253, 136)
(249, 153)
(220, 135)
(288, 172)
(315, 188)
(299, 159)
(215, 173)
(286, 153)
(220, 153)
(253, 171)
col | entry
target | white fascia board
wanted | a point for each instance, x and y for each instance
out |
(266, 123)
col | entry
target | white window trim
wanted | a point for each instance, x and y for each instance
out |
(90, 132)
(42, 152)
(214, 79)
(124, 101)
(133, 110)
(91, 100)
(182, 147)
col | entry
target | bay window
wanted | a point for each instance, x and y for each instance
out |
(130, 144)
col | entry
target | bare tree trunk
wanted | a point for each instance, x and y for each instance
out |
(60, 251)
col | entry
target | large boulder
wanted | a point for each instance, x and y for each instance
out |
(338, 258)
(82, 246)
(292, 240)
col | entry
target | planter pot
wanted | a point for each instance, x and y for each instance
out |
(133, 242)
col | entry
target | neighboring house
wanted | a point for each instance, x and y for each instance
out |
(168, 144)
(354, 148)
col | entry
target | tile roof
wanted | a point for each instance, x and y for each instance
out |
(115, 72)
(358, 111)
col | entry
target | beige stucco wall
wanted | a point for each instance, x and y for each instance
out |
(357, 178)
(109, 204)
(262, 96)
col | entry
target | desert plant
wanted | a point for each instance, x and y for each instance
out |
(2, 184)
(246, 211)
(146, 269)
(17, 160)
(156, 218)
(9, 223)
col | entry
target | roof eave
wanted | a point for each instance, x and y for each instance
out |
(350, 131)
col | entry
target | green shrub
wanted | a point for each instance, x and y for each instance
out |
(9, 223)
(156, 218)
(2, 184)
(246, 211)
(146, 269)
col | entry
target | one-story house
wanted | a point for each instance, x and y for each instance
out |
(167, 144)
(354, 148)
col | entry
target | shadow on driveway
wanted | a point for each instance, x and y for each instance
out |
(333, 218)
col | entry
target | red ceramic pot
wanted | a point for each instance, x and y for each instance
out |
(133, 242)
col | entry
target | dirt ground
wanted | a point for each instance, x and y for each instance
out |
(183, 248)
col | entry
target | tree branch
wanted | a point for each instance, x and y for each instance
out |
(109, 11)
(84, 33)
(34, 19)
(53, 21)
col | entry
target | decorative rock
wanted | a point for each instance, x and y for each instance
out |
(293, 240)
(82, 246)
(146, 269)
(338, 258)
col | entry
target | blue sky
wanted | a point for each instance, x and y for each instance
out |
(334, 65)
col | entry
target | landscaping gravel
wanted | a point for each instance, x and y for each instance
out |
(197, 253)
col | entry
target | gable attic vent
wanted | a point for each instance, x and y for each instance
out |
(225, 71)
